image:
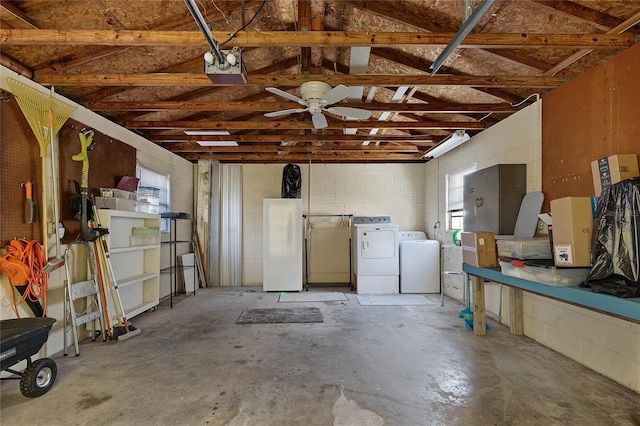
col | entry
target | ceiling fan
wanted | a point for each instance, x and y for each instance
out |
(317, 97)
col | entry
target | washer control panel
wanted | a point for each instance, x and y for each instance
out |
(371, 220)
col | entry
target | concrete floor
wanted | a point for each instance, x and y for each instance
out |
(365, 365)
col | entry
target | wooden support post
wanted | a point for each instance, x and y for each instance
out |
(515, 311)
(479, 319)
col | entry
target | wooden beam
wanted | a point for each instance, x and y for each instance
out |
(620, 28)
(267, 106)
(255, 138)
(14, 16)
(602, 20)
(13, 65)
(298, 125)
(304, 24)
(185, 148)
(295, 80)
(42, 37)
(175, 23)
(325, 157)
(435, 24)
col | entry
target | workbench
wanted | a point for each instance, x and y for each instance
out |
(627, 309)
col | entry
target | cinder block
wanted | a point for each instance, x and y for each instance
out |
(561, 341)
(607, 363)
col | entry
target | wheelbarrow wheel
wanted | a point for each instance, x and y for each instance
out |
(38, 378)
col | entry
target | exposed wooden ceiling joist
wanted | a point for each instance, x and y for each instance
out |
(140, 63)
(42, 37)
(405, 148)
(291, 138)
(323, 157)
(295, 80)
(274, 106)
(301, 125)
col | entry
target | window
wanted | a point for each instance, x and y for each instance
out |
(455, 194)
(156, 184)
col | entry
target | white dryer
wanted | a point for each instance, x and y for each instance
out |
(419, 263)
(375, 255)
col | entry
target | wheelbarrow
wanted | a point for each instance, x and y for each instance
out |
(20, 339)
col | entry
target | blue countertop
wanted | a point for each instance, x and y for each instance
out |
(627, 308)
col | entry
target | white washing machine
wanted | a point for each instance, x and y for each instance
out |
(375, 255)
(419, 263)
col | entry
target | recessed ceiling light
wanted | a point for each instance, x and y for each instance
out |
(217, 143)
(207, 132)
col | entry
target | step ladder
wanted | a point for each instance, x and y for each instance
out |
(87, 290)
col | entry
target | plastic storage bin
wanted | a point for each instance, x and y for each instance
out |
(145, 230)
(113, 203)
(550, 275)
(144, 240)
(117, 193)
(525, 248)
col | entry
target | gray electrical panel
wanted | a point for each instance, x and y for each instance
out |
(492, 198)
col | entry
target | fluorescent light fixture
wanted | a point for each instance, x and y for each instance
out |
(463, 32)
(456, 139)
(217, 143)
(207, 132)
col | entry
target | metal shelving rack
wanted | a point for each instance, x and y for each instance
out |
(173, 242)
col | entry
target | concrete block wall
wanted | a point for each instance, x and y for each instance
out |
(396, 190)
(608, 345)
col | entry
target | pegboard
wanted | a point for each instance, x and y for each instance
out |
(591, 117)
(20, 160)
(109, 160)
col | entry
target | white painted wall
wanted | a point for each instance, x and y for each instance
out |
(396, 190)
(149, 155)
(608, 345)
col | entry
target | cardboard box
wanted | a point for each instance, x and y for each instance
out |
(572, 229)
(613, 169)
(479, 249)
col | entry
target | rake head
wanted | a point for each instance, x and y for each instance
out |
(35, 106)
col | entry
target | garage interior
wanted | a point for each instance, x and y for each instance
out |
(548, 84)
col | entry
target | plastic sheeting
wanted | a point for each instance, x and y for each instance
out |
(616, 244)
(291, 181)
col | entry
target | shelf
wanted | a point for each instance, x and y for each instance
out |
(170, 269)
(131, 248)
(138, 309)
(136, 268)
(132, 215)
(584, 297)
(135, 279)
(172, 243)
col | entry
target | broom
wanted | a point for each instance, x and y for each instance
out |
(123, 330)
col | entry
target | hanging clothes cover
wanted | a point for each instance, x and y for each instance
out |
(291, 181)
(615, 254)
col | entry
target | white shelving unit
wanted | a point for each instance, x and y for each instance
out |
(136, 267)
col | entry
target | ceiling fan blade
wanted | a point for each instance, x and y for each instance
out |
(360, 114)
(284, 94)
(336, 94)
(319, 120)
(284, 112)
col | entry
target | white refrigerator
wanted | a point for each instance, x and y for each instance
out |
(282, 243)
